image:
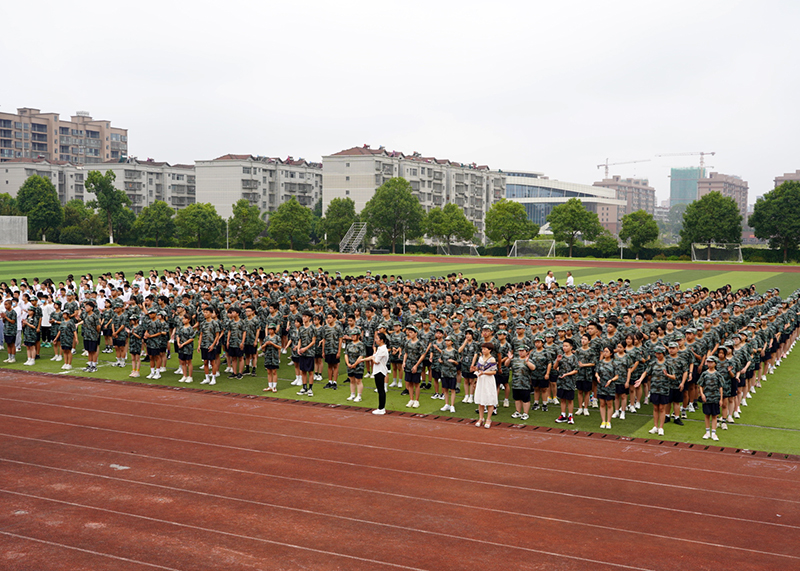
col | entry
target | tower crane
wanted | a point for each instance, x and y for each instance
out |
(701, 153)
(607, 164)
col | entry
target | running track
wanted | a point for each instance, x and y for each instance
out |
(100, 475)
(59, 253)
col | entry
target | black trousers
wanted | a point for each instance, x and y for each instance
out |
(380, 384)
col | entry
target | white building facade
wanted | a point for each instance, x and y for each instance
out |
(147, 181)
(263, 181)
(67, 178)
(538, 194)
(357, 172)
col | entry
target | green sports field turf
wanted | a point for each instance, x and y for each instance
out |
(769, 423)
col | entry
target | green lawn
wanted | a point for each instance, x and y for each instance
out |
(769, 423)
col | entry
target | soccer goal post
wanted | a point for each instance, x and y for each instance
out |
(731, 253)
(457, 250)
(533, 249)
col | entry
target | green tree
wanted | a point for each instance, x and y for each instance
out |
(570, 219)
(448, 224)
(38, 200)
(124, 221)
(199, 225)
(776, 217)
(339, 216)
(713, 218)
(675, 219)
(156, 222)
(506, 222)
(108, 199)
(82, 224)
(607, 244)
(8, 205)
(394, 213)
(639, 228)
(291, 225)
(246, 224)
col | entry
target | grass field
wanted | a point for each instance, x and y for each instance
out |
(770, 422)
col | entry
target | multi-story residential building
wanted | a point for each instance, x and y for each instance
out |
(357, 172)
(661, 214)
(147, 181)
(66, 177)
(31, 134)
(538, 194)
(265, 182)
(728, 185)
(779, 180)
(683, 185)
(636, 192)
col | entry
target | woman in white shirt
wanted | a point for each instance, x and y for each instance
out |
(379, 370)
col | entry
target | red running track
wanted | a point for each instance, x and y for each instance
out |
(59, 253)
(100, 475)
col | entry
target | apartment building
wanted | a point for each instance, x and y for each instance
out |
(636, 192)
(728, 185)
(263, 181)
(31, 134)
(67, 178)
(789, 176)
(147, 181)
(357, 172)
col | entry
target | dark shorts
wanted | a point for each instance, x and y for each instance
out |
(675, 395)
(542, 383)
(426, 362)
(523, 395)
(119, 342)
(370, 351)
(656, 398)
(332, 359)
(565, 394)
(90, 346)
(711, 408)
(235, 352)
(208, 354)
(306, 364)
(584, 386)
(11, 340)
(249, 349)
(468, 375)
(296, 359)
(621, 389)
(106, 333)
(65, 347)
(154, 351)
(436, 374)
(413, 378)
(271, 367)
(355, 375)
(449, 383)
(184, 356)
(30, 343)
(606, 397)
(500, 380)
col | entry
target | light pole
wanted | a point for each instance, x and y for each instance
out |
(227, 234)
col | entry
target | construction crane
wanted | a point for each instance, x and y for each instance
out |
(607, 164)
(701, 153)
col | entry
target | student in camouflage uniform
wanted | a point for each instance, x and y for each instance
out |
(119, 332)
(210, 334)
(184, 337)
(10, 331)
(136, 339)
(606, 375)
(567, 365)
(661, 374)
(414, 351)
(252, 328)
(448, 362)
(710, 386)
(272, 355)
(235, 342)
(520, 368)
(30, 334)
(90, 329)
(354, 351)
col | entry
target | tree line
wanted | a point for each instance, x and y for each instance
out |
(393, 216)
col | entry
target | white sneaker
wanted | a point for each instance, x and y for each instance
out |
(690, 408)
(178, 371)
(585, 412)
(638, 405)
(452, 408)
(188, 380)
(357, 399)
(150, 376)
(410, 404)
(714, 436)
(351, 397)
(205, 381)
(445, 408)
(213, 381)
(736, 414)
(379, 411)
(706, 436)
(653, 430)
(622, 415)
(157, 376)
(416, 404)
(505, 403)
(744, 402)
(616, 414)
(392, 384)
(283, 351)
(631, 408)
(661, 432)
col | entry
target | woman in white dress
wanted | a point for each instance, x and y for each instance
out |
(380, 359)
(485, 387)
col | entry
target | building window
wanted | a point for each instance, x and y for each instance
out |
(245, 170)
(347, 165)
(347, 192)
(347, 178)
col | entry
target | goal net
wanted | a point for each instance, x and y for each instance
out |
(533, 249)
(457, 250)
(717, 253)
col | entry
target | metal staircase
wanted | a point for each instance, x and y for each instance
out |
(352, 240)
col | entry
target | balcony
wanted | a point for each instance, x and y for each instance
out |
(248, 184)
(251, 197)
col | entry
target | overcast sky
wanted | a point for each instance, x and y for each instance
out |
(555, 87)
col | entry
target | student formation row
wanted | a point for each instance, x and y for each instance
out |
(604, 346)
